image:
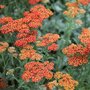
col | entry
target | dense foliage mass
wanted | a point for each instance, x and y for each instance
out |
(44, 45)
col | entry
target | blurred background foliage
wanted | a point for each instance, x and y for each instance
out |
(59, 24)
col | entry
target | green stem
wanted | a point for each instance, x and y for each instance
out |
(2, 55)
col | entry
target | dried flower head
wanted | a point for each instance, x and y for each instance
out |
(45, 1)
(78, 22)
(3, 46)
(3, 83)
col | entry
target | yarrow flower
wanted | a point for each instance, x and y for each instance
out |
(24, 26)
(58, 75)
(24, 41)
(77, 54)
(74, 49)
(33, 1)
(67, 82)
(29, 52)
(36, 71)
(78, 22)
(52, 84)
(45, 1)
(10, 72)
(48, 39)
(84, 2)
(5, 20)
(78, 60)
(3, 46)
(62, 80)
(73, 9)
(85, 37)
(53, 47)
(2, 6)
(42, 11)
(13, 51)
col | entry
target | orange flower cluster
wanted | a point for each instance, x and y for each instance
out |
(63, 80)
(78, 54)
(78, 60)
(5, 20)
(33, 1)
(84, 2)
(29, 52)
(36, 71)
(73, 9)
(24, 41)
(85, 37)
(75, 49)
(32, 19)
(53, 47)
(48, 39)
(51, 85)
(25, 38)
(41, 11)
(67, 82)
(3, 46)
(2, 6)
(14, 25)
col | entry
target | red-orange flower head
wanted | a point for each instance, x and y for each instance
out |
(84, 2)
(47, 39)
(33, 1)
(24, 41)
(77, 60)
(77, 54)
(42, 11)
(36, 71)
(29, 52)
(53, 47)
(85, 36)
(2, 6)
(25, 26)
(5, 20)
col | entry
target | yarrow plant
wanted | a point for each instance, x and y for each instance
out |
(36, 71)
(31, 59)
(63, 80)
